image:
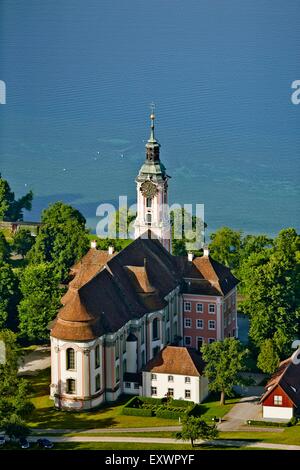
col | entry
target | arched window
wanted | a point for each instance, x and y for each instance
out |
(97, 356)
(71, 386)
(97, 382)
(70, 357)
(155, 332)
(124, 365)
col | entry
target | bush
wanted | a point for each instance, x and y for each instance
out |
(137, 412)
(153, 401)
(293, 421)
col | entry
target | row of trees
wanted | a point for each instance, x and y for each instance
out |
(269, 271)
(30, 295)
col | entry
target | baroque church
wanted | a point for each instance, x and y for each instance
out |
(133, 322)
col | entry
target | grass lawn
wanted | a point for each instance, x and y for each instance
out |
(122, 446)
(212, 408)
(108, 416)
(288, 436)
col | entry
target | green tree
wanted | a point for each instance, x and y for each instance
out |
(40, 302)
(271, 285)
(9, 296)
(4, 248)
(268, 358)
(22, 242)
(225, 360)
(62, 239)
(15, 427)
(225, 246)
(14, 403)
(11, 209)
(195, 428)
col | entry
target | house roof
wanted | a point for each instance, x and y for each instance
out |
(206, 276)
(287, 377)
(176, 360)
(123, 288)
(109, 290)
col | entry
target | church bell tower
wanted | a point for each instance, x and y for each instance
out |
(152, 195)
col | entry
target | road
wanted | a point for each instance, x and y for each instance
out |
(157, 440)
(34, 361)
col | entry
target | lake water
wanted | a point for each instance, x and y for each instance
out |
(80, 75)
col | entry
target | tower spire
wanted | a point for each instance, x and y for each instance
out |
(152, 146)
(152, 118)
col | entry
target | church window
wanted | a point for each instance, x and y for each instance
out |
(124, 365)
(97, 356)
(117, 373)
(142, 333)
(70, 356)
(97, 382)
(148, 218)
(148, 202)
(155, 333)
(71, 386)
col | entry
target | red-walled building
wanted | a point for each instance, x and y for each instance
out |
(282, 397)
(209, 301)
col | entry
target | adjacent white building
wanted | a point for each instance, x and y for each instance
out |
(175, 372)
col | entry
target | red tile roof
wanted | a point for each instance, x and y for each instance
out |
(176, 360)
(287, 377)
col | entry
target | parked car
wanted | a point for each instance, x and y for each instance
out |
(24, 444)
(45, 443)
(2, 440)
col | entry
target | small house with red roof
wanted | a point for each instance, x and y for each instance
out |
(281, 399)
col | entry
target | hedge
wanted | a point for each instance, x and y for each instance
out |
(167, 414)
(267, 423)
(181, 403)
(137, 412)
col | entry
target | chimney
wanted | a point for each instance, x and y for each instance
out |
(190, 256)
(205, 250)
(94, 244)
(110, 250)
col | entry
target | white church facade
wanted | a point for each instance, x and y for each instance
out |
(122, 310)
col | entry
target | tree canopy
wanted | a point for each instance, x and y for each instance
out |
(224, 362)
(62, 239)
(271, 285)
(14, 403)
(194, 428)
(22, 242)
(9, 296)
(40, 302)
(11, 209)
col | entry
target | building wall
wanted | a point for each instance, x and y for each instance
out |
(84, 373)
(193, 331)
(115, 358)
(225, 317)
(278, 412)
(278, 391)
(198, 386)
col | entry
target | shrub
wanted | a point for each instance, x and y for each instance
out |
(293, 421)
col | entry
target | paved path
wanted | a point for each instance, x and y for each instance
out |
(152, 440)
(106, 430)
(247, 408)
(34, 361)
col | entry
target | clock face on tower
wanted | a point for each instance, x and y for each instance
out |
(148, 189)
